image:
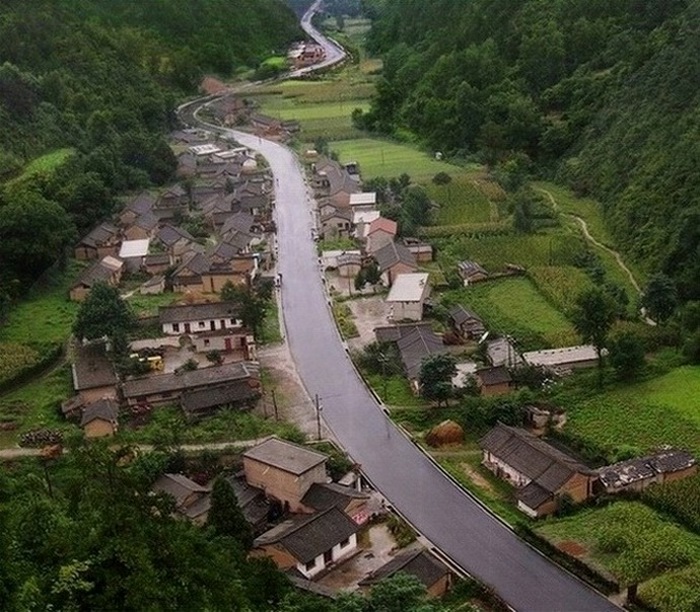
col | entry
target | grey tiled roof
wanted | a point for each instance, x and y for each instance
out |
(321, 496)
(105, 409)
(419, 563)
(416, 346)
(202, 400)
(393, 253)
(92, 368)
(308, 537)
(198, 312)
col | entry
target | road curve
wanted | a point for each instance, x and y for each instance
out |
(449, 517)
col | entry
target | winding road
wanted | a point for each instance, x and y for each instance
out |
(450, 518)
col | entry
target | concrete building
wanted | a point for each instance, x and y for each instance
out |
(407, 296)
(199, 318)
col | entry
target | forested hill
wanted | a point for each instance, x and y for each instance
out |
(102, 77)
(603, 94)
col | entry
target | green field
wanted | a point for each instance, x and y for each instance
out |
(461, 201)
(514, 306)
(644, 415)
(561, 285)
(386, 158)
(631, 541)
(46, 163)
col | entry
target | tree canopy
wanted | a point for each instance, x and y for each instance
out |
(103, 313)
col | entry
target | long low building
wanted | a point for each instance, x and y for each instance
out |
(198, 318)
(564, 359)
(168, 388)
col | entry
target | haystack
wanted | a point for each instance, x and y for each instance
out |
(447, 432)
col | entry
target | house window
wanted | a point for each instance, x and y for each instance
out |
(345, 542)
(233, 321)
(176, 327)
(310, 565)
(206, 341)
(202, 324)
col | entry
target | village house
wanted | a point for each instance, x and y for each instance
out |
(503, 352)
(157, 263)
(186, 165)
(101, 418)
(310, 543)
(541, 473)
(407, 297)
(145, 226)
(471, 272)
(252, 501)
(199, 318)
(349, 264)
(324, 495)
(93, 373)
(174, 239)
(108, 270)
(417, 562)
(237, 343)
(172, 201)
(101, 241)
(285, 471)
(563, 360)
(199, 403)
(336, 222)
(494, 381)
(666, 465)
(414, 347)
(153, 286)
(188, 275)
(361, 220)
(366, 200)
(394, 259)
(393, 333)
(192, 501)
(133, 253)
(381, 232)
(142, 204)
(465, 323)
(240, 270)
(161, 389)
(422, 251)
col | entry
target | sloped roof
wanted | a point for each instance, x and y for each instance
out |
(146, 221)
(197, 263)
(93, 274)
(285, 456)
(308, 537)
(179, 487)
(549, 467)
(339, 213)
(326, 495)
(92, 368)
(393, 333)
(383, 224)
(199, 400)
(170, 234)
(416, 346)
(640, 468)
(159, 383)
(393, 253)
(419, 563)
(141, 204)
(240, 221)
(105, 409)
(460, 315)
(251, 500)
(100, 235)
(198, 312)
(494, 376)
(134, 248)
(409, 287)
(469, 268)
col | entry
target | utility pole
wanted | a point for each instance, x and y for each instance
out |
(274, 404)
(318, 416)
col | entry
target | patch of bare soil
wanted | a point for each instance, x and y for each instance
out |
(210, 85)
(572, 548)
(477, 478)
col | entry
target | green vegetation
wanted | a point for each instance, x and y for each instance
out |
(644, 415)
(514, 306)
(46, 163)
(681, 499)
(462, 201)
(343, 319)
(584, 92)
(389, 159)
(14, 358)
(271, 325)
(630, 540)
(675, 591)
(394, 390)
(337, 244)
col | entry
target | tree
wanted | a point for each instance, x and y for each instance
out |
(252, 307)
(593, 316)
(400, 593)
(660, 298)
(104, 313)
(435, 378)
(225, 515)
(626, 354)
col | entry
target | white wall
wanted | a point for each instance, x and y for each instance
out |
(337, 554)
(201, 325)
(513, 476)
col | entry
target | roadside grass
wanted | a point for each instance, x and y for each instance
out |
(147, 305)
(644, 415)
(46, 163)
(461, 201)
(337, 244)
(514, 306)
(46, 315)
(389, 159)
(630, 541)
(344, 320)
(271, 325)
(37, 404)
(394, 390)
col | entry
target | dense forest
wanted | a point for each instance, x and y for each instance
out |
(102, 78)
(601, 95)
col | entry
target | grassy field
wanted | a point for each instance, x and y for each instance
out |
(560, 284)
(147, 305)
(386, 158)
(394, 390)
(461, 201)
(46, 315)
(629, 540)
(645, 415)
(46, 163)
(514, 306)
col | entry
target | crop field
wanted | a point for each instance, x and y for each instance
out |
(461, 201)
(14, 358)
(385, 158)
(560, 284)
(631, 541)
(645, 415)
(514, 306)
(494, 252)
(680, 498)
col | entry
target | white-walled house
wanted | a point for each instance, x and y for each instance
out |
(199, 318)
(407, 296)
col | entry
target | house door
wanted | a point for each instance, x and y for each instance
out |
(223, 324)
(187, 328)
(328, 557)
(212, 325)
(227, 344)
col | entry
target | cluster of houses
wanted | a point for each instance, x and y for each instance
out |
(305, 53)
(195, 330)
(543, 475)
(305, 523)
(228, 195)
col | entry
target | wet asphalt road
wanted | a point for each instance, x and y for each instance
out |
(446, 515)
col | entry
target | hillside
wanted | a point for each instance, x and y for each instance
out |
(102, 78)
(602, 95)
